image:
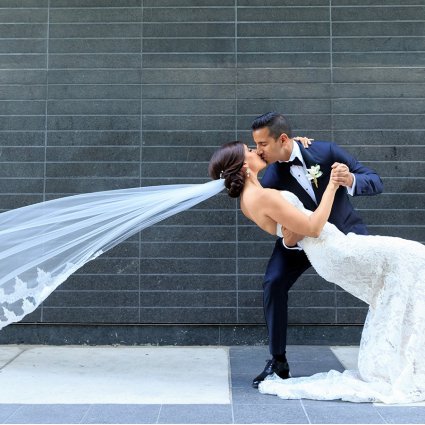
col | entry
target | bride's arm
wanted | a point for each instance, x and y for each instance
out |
(281, 211)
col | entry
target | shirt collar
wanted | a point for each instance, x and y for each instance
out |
(296, 153)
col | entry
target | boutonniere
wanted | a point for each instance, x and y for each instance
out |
(314, 173)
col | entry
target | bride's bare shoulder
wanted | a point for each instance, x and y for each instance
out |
(270, 195)
(259, 200)
(271, 200)
(271, 192)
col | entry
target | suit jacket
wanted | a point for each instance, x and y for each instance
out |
(343, 214)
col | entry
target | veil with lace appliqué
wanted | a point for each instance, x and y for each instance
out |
(41, 245)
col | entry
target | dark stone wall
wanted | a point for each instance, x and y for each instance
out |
(104, 94)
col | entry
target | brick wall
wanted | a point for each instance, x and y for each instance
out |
(104, 94)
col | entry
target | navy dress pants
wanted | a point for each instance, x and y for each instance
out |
(283, 269)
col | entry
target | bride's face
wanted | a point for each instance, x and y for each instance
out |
(253, 160)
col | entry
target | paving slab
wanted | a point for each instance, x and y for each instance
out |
(117, 375)
(8, 353)
(122, 413)
(337, 412)
(7, 410)
(250, 395)
(48, 414)
(402, 415)
(348, 356)
(199, 414)
(288, 412)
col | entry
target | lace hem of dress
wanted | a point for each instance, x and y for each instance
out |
(334, 385)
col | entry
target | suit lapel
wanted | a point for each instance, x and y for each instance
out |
(308, 158)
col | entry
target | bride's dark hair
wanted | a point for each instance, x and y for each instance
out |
(227, 163)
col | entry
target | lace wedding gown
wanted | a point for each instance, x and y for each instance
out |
(387, 273)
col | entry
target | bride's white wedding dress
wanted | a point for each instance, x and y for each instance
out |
(387, 273)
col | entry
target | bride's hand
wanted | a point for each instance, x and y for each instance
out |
(305, 141)
(342, 175)
(333, 181)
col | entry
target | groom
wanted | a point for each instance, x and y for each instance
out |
(289, 165)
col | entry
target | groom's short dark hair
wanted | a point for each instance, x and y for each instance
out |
(275, 122)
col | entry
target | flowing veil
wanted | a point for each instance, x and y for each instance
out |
(42, 244)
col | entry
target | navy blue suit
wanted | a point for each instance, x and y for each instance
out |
(285, 266)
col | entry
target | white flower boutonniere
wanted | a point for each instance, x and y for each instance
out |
(314, 173)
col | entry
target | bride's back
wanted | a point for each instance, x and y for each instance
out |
(253, 207)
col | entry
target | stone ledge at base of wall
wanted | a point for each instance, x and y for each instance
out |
(228, 335)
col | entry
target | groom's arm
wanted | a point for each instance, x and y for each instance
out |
(270, 180)
(367, 182)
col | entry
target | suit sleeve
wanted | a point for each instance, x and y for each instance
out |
(367, 181)
(268, 181)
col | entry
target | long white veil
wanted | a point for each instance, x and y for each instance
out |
(42, 244)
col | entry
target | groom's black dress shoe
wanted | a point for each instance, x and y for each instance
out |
(281, 369)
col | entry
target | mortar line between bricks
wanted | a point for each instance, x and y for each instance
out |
(46, 124)
(140, 147)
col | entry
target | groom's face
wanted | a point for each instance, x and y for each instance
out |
(269, 148)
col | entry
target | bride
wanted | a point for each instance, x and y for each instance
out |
(387, 273)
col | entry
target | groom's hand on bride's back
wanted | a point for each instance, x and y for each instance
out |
(291, 239)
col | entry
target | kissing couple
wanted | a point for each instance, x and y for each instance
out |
(303, 199)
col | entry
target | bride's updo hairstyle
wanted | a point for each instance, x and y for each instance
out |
(226, 163)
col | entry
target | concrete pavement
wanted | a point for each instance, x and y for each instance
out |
(145, 384)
